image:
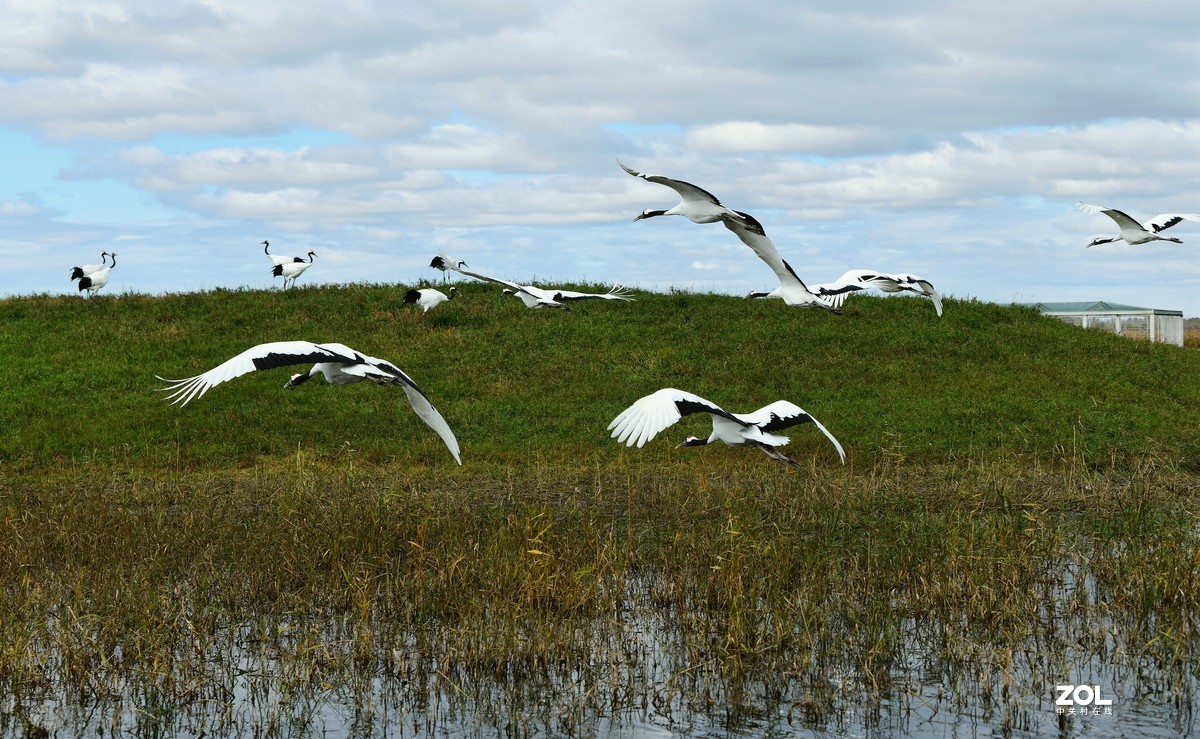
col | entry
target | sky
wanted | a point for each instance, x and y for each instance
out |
(947, 139)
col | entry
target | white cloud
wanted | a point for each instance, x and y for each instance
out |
(943, 138)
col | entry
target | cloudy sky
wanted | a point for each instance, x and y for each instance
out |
(949, 139)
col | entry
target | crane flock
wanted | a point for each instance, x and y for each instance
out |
(650, 414)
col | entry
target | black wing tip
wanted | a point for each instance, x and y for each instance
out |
(1167, 224)
(752, 223)
(412, 296)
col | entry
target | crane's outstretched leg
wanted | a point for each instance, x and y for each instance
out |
(777, 456)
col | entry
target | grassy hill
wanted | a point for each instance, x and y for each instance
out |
(889, 379)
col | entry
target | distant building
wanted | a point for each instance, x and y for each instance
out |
(1155, 324)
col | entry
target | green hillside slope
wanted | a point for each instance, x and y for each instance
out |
(888, 378)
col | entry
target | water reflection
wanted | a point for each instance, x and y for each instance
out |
(639, 674)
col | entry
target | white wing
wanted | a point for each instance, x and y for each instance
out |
(850, 282)
(511, 285)
(263, 356)
(616, 293)
(922, 286)
(542, 297)
(427, 413)
(784, 414)
(1123, 220)
(687, 191)
(642, 421)
(766, 251)
(1166, 220)
(416, 396)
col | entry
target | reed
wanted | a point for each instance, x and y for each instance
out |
(174, 600)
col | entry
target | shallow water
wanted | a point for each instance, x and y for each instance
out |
(634, 678)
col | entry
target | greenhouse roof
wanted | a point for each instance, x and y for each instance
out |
(1097, 306)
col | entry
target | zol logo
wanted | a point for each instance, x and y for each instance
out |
(1080, 696)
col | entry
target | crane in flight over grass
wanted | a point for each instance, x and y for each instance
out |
(701, 206)
(695, 203)
(1133, 232)
(865, 279)
(643, 420)
(791, 290)
(338, 363)
(541, 297)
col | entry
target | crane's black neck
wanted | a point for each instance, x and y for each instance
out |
(300, 378)
(266, 244)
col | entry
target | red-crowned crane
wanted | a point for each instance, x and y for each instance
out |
(292, 270)
(1133, 232)
(864, 279)
(641, 421)
(428, 298)
(338, 363)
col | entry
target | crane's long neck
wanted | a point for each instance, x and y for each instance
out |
(302, 377)
(266, 244)
(114, 258)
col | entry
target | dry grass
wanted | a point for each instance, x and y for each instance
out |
(253, 601)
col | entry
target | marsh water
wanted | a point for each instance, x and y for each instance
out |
(637, 675)
(338, 606)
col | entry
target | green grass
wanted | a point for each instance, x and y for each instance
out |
(1020, 499)
(889, 379)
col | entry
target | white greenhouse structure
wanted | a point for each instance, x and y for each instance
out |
(1155, 324)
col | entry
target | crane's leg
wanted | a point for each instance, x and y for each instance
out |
(777, 456)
